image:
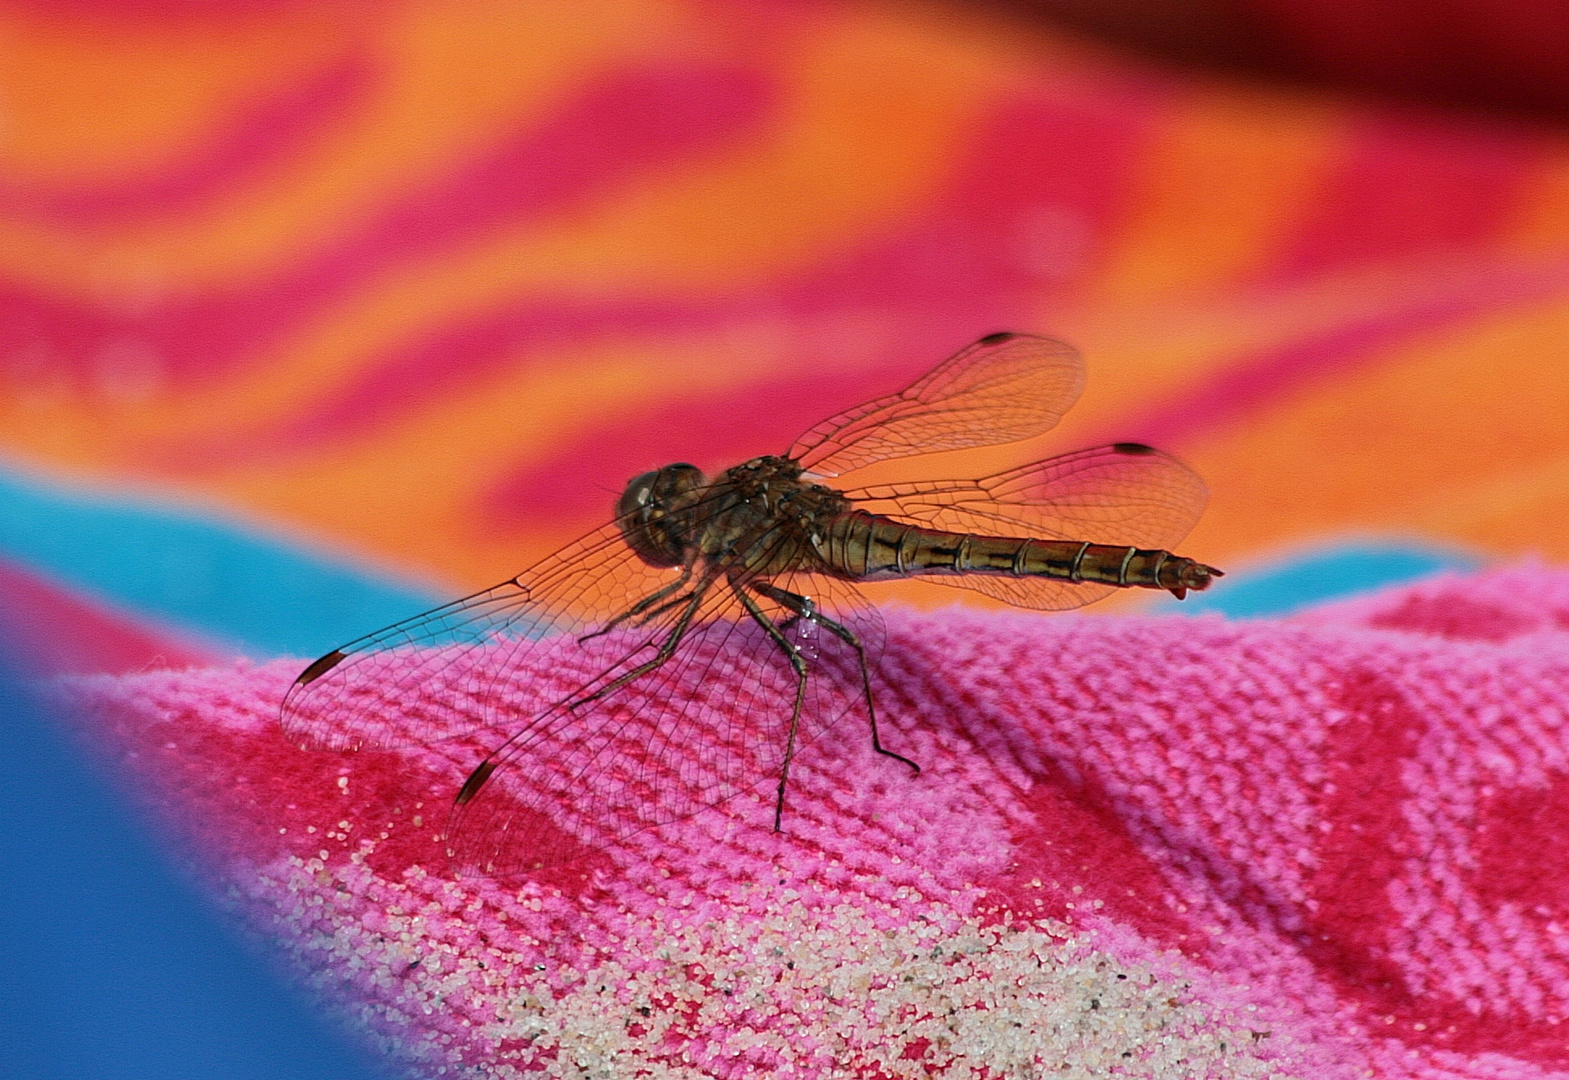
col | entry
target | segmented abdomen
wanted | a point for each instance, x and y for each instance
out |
(864, 546)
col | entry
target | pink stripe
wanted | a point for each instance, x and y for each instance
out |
(1408, 189)
(622, 125)
(1014, 224)
(1356, 862)
(1078, 838)
(59, 633)
(1256, 383)
(263, 133)
(581, 477)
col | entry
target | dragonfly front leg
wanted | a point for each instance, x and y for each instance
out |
(799, 664)
(667, 649)
(804, 609)
(640, 610)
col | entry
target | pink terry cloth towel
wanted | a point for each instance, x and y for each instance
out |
(1327, 846)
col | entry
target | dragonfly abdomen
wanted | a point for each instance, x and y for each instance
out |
(865, 546)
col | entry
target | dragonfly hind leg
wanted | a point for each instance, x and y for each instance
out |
(804, 609)
(793, 654)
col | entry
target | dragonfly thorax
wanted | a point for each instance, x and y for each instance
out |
(751, 515)
(763, 518)
(650, 512)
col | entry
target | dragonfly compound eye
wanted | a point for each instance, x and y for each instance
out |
(650, 512)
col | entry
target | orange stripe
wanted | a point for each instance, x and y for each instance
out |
(410, 491)
(864, 140)
(1455, 437)
(1542, 222)
(1221, 184)
(84, 99)
(454, 76)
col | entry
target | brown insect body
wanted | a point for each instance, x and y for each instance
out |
(756, 520)
(714, 628)
(760, 519)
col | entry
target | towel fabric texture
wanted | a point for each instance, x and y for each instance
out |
(1323, 847)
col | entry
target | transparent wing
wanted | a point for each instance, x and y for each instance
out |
(429, 678)
(593, 742)
(1125, 493)
(1004, 388)
(709, 723)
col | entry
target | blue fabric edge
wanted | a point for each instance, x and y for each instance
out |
(200, 571)
(1317, 575)
(266, 594)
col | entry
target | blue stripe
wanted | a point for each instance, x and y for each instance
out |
(197, 572)
(1316, 576)
(267, 596)
(114, 967)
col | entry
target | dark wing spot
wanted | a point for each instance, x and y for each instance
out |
(994, 339)
(476, 781)
(320, 667)
(1132, 448)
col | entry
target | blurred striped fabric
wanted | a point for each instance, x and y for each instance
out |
(313, 313)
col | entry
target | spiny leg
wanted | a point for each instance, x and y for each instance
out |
(649, 616)
(794, 656)
(477, 778)
(666, 651)
(643, 605)
(805, 609)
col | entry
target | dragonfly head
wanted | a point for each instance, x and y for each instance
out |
(648, 512)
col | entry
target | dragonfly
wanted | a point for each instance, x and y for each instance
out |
(690, 649)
